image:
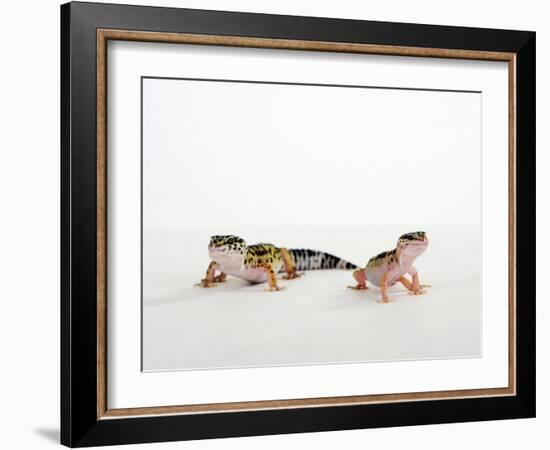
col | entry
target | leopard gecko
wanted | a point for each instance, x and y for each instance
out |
(258, 263)
(388, 268)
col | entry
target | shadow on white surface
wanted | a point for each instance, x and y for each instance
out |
(49, 434)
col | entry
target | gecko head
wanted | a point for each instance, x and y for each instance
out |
(226, 245)
(413, 243)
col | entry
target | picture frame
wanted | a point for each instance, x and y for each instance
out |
(86, 418)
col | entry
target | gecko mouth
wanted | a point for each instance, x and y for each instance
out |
(217, 249)
(418, 243)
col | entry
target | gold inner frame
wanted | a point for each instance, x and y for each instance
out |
(104, 35)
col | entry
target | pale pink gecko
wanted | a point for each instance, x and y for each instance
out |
(388, 268)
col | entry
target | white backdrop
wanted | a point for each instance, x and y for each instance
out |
(29, 334)
(222, 153)
(307, 166)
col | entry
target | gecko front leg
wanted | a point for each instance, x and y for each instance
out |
(209, 279)
(271, 279)
(290, 267)
(408, 285)
(415, 287)
(384, 288)
(418, 288)
(360, 276)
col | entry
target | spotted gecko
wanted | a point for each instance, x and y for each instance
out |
(258, 263)
(388, 268)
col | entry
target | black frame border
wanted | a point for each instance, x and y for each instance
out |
(79, 423)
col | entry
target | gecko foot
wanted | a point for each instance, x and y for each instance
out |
(293, 275)
(384, 300)
(420, 290)
(206, 284)
(359, 287)
(274, 288)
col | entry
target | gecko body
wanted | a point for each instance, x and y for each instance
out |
(390, 267)
(259, 263)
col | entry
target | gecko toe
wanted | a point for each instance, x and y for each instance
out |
(293, 275)
(274, 288)
(358, 288)
(206, 284)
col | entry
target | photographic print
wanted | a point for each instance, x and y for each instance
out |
(288, 223)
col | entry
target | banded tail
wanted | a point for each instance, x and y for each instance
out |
(313, 260)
